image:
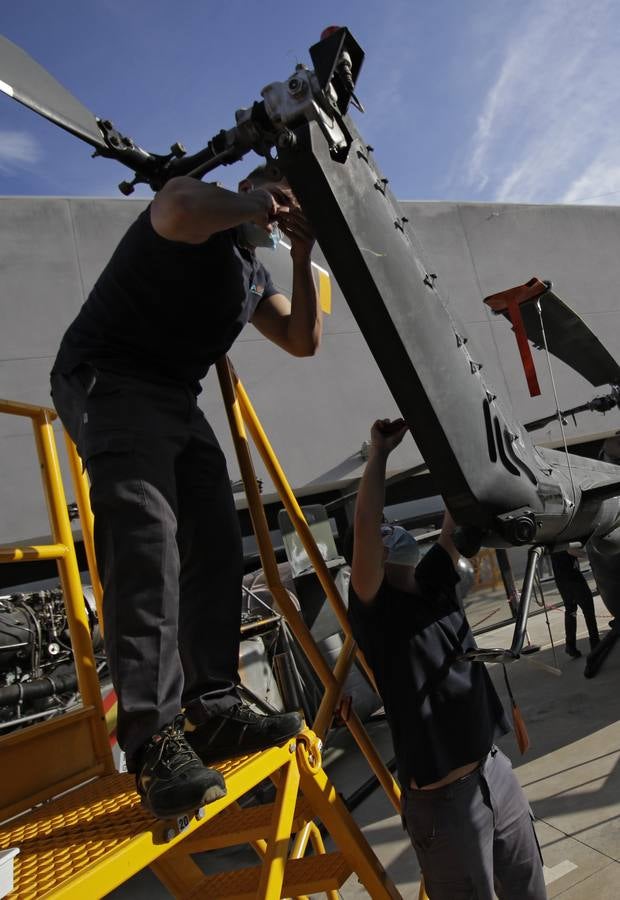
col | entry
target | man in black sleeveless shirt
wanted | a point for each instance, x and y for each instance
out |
(466, 814)
(179, 288)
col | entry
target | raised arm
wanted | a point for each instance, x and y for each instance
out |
(368, 553)
(446, 539)
(189, 211)
(294, 325)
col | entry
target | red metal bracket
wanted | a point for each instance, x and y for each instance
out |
(508, 303)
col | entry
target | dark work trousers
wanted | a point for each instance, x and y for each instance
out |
(475, 838)
(575, 592)
(168, 547)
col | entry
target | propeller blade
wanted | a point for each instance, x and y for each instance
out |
(570, 340)
(26, 81)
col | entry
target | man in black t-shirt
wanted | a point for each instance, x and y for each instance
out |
(179, 288)
(466, 814)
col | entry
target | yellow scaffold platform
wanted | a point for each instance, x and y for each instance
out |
(87, 842)
(78, 824)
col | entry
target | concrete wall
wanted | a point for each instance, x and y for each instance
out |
(317, 411)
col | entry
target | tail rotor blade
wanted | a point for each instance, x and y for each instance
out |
(26, 81)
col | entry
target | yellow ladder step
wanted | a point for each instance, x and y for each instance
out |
(310, 875)
(237, 825)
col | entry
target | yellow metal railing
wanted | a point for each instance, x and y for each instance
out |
(241, 414)
(37, 757)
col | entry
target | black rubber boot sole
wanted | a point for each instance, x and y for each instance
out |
(210, 795)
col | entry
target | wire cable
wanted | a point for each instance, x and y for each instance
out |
(557, 402)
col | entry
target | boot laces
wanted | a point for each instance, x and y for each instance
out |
(173, 750)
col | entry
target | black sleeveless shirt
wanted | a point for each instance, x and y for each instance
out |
(442, 713)
(166, 309)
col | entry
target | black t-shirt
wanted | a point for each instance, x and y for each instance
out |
(166, 309)
(442, 713)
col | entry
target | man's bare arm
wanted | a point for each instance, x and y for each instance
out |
(368, 554)
(296, 326)
(189, 211)
(446, 540)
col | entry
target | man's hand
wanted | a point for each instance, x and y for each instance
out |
(269, 207)
(296, 227)
(385, 434)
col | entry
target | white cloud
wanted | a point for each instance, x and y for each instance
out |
(599, 181)
(549, 128)
(18, 149)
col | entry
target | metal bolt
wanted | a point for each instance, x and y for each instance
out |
(291, 747)
(171, 833)
(297, 86)
(201, 813)
(287, 140)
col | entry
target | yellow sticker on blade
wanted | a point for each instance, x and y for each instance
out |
(325, 289)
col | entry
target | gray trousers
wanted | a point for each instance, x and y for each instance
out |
(475, 838)
(168, 547)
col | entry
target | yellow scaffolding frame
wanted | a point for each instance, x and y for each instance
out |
(241, 414)
(93, 834)
(37, 758)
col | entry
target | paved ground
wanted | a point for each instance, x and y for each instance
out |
(571, 774)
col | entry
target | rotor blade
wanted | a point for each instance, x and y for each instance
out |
(570, 340)
(420, 469)
(26, 81)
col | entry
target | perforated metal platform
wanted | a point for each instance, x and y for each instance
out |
(63, 841)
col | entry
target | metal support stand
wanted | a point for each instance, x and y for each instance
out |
(499, 655)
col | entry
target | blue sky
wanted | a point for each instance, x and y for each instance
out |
(479, 100)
